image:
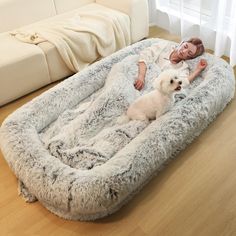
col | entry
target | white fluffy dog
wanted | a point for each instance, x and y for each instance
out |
(158, 101)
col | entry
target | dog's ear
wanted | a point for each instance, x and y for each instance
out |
(157, 83)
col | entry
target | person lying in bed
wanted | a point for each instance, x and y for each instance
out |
(172, 57)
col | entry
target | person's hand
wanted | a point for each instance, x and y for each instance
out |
(139, 83)
(202, 64)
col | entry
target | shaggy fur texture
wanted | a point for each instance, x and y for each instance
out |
(68, 151)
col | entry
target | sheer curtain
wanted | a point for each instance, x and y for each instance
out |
(214, 21)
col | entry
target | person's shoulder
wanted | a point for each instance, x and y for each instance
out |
(184, 64)
(181, 65)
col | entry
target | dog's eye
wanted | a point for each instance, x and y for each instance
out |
(171, 81)
(180, 82)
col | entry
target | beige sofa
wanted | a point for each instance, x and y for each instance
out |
(26, 67)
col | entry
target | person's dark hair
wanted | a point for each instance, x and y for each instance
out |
(198, 43)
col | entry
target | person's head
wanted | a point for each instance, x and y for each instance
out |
(191, 48)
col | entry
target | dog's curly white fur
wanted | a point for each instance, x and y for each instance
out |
(158, 101)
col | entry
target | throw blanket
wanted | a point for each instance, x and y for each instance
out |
(82, 39)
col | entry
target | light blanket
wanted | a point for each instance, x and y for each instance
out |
(83, 38)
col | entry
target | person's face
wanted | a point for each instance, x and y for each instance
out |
(186, 50)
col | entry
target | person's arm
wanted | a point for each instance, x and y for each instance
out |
(142, 68)
(147, 56)
(200, 67)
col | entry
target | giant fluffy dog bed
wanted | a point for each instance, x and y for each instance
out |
(70, 153)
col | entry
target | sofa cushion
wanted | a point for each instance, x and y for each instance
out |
(28, 62)
(63, 6)
(57, 67)
(18, 62)
(17, 13)
(134, 9)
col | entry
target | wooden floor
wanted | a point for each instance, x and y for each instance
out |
(194, 195)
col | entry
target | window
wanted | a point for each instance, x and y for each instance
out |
(199, 11)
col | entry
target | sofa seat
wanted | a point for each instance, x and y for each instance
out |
(18, 62)
(27, 67)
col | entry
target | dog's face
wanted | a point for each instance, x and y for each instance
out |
(168, 82)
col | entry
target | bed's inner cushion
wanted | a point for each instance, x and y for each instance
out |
(88, 135)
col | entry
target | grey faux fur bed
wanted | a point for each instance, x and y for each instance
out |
(68, 151)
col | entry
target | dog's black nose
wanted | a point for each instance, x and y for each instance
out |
(180, 82)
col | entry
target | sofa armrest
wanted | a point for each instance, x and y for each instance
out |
(137, 10)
